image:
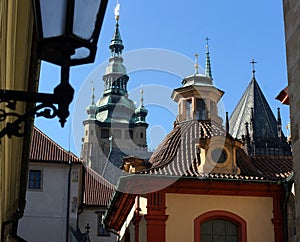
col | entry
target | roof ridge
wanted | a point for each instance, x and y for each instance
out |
(35, 146)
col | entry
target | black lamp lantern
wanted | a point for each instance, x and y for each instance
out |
(68, 30)
(67, 35)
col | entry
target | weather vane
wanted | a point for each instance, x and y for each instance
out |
(117, 11)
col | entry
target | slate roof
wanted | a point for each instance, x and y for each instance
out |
(177, 156)
(265, 123)
(44, 149)
(97, 190)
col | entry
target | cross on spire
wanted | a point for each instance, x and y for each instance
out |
(253, 67)
(207, 47)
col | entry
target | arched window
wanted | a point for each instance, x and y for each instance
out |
(215, 226)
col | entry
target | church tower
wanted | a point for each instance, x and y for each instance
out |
(114, 122)
(254, 122)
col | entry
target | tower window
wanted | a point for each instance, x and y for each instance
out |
(104, 133)
(188, 109)
(201, 113)
(141, 135)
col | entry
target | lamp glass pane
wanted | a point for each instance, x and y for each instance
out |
(85, 16)
(80, 53)
(53, 14)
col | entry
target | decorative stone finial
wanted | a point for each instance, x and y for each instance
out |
(196, 64)
(142, 98)
(93, 93)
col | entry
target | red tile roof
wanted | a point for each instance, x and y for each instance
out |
(97, 190)
(44, 149)
(274, 166)
(177, 156)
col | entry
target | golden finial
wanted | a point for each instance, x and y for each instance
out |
(196, 64)
(117, 11)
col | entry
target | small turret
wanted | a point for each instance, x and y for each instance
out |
(92, 108)
(141, 112)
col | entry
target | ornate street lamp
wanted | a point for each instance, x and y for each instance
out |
(67, 35)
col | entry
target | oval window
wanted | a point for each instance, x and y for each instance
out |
(218, 155)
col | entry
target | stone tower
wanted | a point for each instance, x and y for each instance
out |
(114, 123)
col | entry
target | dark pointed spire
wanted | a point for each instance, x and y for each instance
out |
(208, 65)
(116, 44)
(227, 123)
(279, 124)
(253, 68)
(252, 123)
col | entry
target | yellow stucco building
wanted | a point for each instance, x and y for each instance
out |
(17, 73)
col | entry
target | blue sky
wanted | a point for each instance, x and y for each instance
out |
(238, 31)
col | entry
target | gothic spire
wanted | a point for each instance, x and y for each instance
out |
(208, 65)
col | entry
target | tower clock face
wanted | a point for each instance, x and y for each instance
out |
(219, 155)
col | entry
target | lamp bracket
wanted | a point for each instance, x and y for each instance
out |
(45, 107)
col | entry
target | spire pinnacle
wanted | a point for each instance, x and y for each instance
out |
(208, 65)
(279, 124)
(253, 68)
(142, 98)
(116, 44)
(196, 64)
(93, 93)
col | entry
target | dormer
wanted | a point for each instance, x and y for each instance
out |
(219, 155)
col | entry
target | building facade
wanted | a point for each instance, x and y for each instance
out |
(292, 33)
(224, 187)
(54, 192)
(115, 127)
